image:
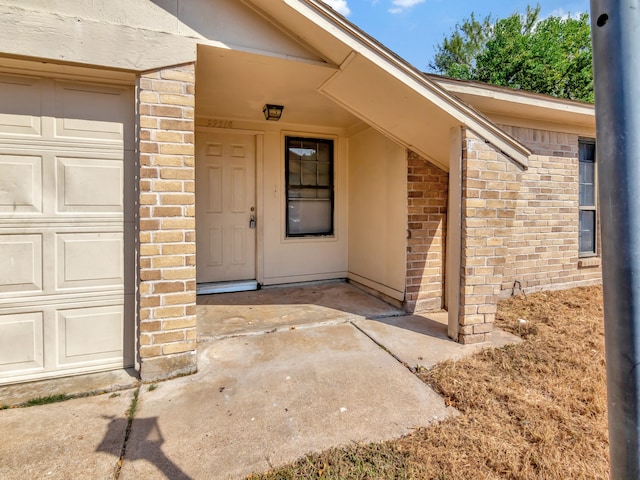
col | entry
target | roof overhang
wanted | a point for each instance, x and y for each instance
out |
(380, 88)
(507, 103)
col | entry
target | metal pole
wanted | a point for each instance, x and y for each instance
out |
(615, 29)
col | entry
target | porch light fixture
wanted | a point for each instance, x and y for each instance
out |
(272, 112)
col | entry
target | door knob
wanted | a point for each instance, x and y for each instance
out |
(252, 221)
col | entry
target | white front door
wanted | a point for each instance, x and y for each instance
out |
(225, 207)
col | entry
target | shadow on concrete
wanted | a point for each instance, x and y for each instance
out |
(335, 295)
(422, 341)
(143, 442)
(260, 311)
(421, 324)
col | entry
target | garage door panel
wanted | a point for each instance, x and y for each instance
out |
(86, 260)
(62, 219)
(21, 346)
(21, 100)
(91, 112)
(20, 183)
(89, 185)
(90, 334)
(20, 263)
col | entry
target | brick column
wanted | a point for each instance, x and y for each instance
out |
(490, 186)
(167, 288)
(427, 187)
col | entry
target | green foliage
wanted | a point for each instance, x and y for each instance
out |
(131, 412)
(456, 57)
(551, 56)
(47, 400)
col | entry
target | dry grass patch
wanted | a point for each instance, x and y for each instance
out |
(536, 410)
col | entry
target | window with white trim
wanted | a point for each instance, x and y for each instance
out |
(587, 197)
(309, 178)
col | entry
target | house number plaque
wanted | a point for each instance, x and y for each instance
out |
(219, 123)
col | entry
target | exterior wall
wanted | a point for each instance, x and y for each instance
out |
(287, 260)
(543, 249)
(427, 225)
(490, 193)
(167, 288)
(136, 35)
(377, 212)
(106, 34)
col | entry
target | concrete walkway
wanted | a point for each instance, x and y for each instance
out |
(315, 388)
(258, 401)
(274, 308)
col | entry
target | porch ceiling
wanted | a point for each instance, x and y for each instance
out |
(235, 85)
(359, 81)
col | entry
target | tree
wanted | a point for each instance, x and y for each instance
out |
(551, 56)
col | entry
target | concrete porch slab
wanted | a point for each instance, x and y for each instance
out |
(275, 308)
(79, 438)
(85, 384)
(264, 400)
(422, 341)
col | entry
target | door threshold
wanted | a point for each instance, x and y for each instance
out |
(226, 287)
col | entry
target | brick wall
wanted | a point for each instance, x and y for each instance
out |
(544, 245)
(427, 209)
(167, 284)
(490, 189)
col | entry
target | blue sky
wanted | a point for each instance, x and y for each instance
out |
(413, 28)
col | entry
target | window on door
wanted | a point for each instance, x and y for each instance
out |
(587, 197)
(309, 177)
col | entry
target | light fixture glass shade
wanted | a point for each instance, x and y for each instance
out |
(272, 112)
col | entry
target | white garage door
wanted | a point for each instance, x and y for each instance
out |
(66, 150)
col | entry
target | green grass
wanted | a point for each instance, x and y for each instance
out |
(61, 397)
(131, 413)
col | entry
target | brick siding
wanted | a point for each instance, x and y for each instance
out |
(543, 251)
(427, 225)
(490, 192)
(167, 284)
